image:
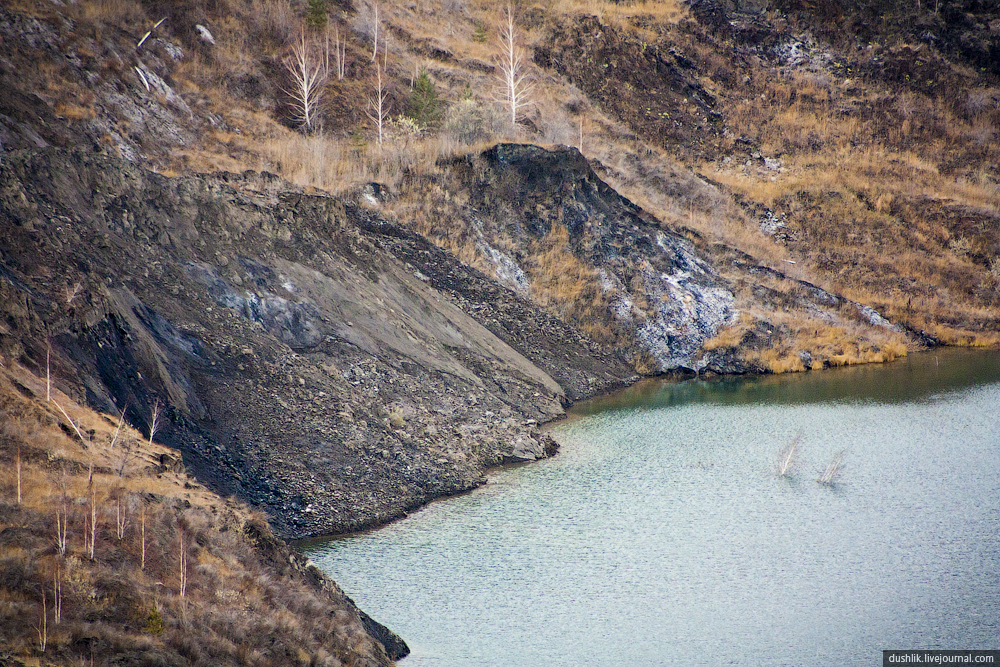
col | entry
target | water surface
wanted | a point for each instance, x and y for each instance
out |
(663, 535)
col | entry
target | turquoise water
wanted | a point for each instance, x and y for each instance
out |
(662, 533)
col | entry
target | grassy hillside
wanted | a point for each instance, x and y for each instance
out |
(111, 554)
(850, 145)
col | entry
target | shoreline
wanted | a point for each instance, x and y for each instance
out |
(572, 411)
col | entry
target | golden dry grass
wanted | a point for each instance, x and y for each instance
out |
(811, 344)
(730, 336)
(623, 14)
(117, 576)
(42, 426)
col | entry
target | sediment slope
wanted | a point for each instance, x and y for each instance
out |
(324, 364)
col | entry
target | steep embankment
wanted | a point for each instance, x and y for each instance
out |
(333, 368)
(668, 298)
(110, 553)
(320, 362)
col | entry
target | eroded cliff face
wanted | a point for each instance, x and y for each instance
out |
(668, 299)
(326, 365)
(653, 287)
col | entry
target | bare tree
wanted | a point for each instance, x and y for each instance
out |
(182, 561)
(378, 103)
(515, 84)
(130, 450)
(154, 419)
(19, 473)
(43, 624)
(339, 53)
(90, 541)
(375, 47)
(57, 594)
(121, 514)
(118, 430)
(142, 524)
(62, 527)
(308, 76)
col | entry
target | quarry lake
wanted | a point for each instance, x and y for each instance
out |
(662, 533)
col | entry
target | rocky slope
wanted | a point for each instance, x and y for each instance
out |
(318, 361)
(326, 363)
(321, 362)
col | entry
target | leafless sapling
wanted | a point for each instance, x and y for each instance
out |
(43, 624)
(375, 37)
(182, 562)
(339, 53)
(378, 103)
(154, 420)
(62, 527)
(90, 540)
(118, 430)
(515, 84)
(130, 448)
(121, 514)
(142, 530)
(57, 594)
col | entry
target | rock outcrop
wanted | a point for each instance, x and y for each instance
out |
(657, 290)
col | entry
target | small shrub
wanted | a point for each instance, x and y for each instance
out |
(154, 623)
(425, 106)
(470, 122)
(316, 16)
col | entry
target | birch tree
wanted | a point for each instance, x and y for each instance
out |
(308, 78)
(378, 103)
(515, 83)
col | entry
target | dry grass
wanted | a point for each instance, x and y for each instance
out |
(568, 287)
(74, 111)
(809, 345)
(119, 583)
(337, 165)
(623, 14)
(730, 336)
(113, 12)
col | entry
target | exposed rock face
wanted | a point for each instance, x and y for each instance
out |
(519, 194)
(329, 367)
(122, 95)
